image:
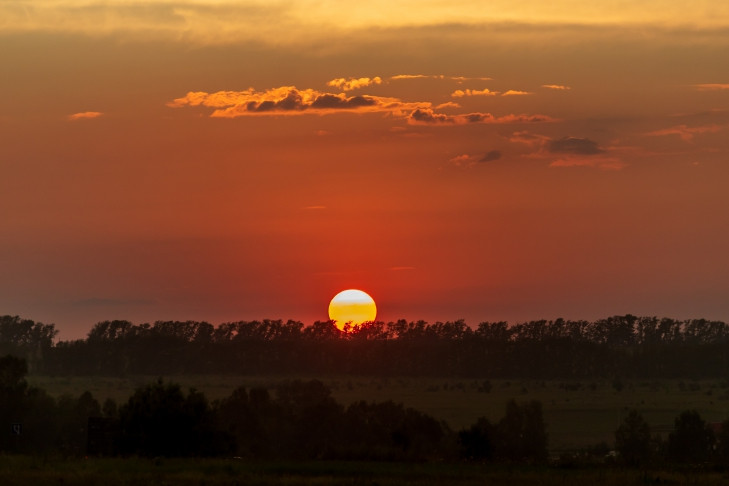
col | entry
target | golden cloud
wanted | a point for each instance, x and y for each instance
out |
(558, 87)
(460, 93)
(447, 104)
(353, 83)
(459, 79)
(289, 100)
(515, 92)
(415, 76)
(84, 115)
(712, 86)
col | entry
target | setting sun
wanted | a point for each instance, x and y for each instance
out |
(352, 306)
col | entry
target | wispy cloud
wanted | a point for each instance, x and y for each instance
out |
(84, 115)
(463, 160)
(570, 151)
(685, 132)
(516, 92)
(459, 79)
(426, 116)
(712, 86)
(460, 93)
(398, 77)
(469, 160)
(573, 145)
(527, 138)
(289, 100)
(599, 162)
(349, 84)
(558, 87)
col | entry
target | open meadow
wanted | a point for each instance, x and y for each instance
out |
(578, 414)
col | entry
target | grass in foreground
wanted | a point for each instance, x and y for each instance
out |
(22, 471)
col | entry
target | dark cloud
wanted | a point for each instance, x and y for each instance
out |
(332, 102)
(478, 117)
(292, 101)
(491, 156)
(573, 145)
(426, 116)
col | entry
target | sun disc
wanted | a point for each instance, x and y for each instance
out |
(352, 306)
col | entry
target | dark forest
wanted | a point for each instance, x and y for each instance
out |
(619, 346)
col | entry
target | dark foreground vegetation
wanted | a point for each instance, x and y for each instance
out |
(301, 421)
(620, 346)
(24, 471)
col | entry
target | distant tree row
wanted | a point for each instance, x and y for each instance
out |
(619, 346)
(300, 420)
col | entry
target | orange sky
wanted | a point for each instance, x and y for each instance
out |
(245, 160)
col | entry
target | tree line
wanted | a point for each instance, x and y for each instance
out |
(618, 346)
(301, 420)
(298, 420)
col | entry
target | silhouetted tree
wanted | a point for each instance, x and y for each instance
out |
(312, 416)
(476, 442)
(691, 440)
(30, 408)
(26, 339)
(159, 420)
(388, 430)
(521, 434)
(633, 439)
(73, 418)
(722, 439)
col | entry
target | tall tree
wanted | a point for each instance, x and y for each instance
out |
(691, 440)
(633, 439)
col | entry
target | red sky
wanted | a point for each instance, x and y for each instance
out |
(245, 160)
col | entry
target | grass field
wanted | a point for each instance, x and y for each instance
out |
(23, 471)
(578, 414)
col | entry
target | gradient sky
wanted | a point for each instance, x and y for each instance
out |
(240, 160)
